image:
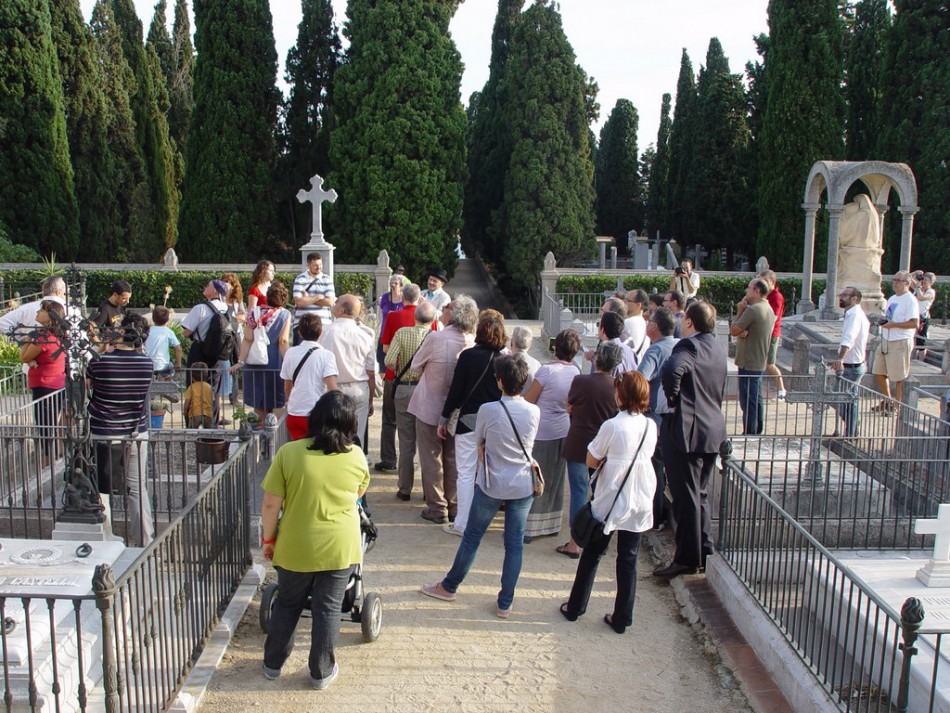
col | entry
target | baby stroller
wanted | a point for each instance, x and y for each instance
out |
(366, 610)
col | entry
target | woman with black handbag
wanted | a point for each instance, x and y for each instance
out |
(623, 500)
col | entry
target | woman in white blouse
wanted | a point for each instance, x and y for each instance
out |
(622, 502)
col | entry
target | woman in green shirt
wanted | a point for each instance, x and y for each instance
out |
(316, 481)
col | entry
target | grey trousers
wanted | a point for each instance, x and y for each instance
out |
(387, 435)
(359, 392)
(406, 426)
(437, 463)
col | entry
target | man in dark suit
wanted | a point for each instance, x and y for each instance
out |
(694, 381)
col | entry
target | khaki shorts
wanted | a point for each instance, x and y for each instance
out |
(892, 359)
(773, 351)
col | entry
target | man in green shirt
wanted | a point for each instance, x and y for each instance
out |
(753, 327)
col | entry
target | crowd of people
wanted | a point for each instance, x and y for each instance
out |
(612, 428)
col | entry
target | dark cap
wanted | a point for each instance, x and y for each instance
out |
(438, 273)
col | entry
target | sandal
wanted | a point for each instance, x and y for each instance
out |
(567, 615)
(566, 551)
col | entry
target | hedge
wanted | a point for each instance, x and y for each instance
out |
(149, 287)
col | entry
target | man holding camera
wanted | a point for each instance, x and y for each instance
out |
(684, 279)
(892, 356)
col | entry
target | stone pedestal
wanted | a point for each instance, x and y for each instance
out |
(326, 252)
(934, 574)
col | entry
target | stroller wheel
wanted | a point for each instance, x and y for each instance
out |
(372, 617)
(268, 598)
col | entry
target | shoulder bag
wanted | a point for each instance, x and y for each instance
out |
(586, 529)
(453, 423)
(537, 477)
(257, 354)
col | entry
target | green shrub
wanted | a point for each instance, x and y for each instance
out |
(9, 356)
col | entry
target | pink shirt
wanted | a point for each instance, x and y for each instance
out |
(436, 360)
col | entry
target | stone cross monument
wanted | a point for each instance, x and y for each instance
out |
(936, 573)
(316, 196)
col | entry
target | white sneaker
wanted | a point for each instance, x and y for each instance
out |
(321, 684)
(450, 528)
(782, 394)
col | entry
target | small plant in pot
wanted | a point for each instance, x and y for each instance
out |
(157, 409)
(247, 420)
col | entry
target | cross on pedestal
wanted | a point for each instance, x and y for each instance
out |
(316, 196)
(936, 573)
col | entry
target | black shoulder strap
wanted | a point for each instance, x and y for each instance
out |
(515, 429)
(627, 475)
(491, 360)
(303, 361)
(409, 363)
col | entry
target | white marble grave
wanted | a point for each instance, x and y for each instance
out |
(936, 573)
(35, 570)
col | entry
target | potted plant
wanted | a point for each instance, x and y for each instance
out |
(247, 422)
(157, 409)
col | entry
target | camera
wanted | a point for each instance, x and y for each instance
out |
(551, 344)
(679, 271)
(882, 320)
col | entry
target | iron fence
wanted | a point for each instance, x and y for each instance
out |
(129, 645)
(856, 646)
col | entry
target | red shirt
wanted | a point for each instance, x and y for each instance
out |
(406, 317)
(50, 371)
(777, 302)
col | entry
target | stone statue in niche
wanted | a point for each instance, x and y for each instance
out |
(859, 251)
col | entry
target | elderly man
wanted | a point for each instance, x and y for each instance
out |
(660, 334)
(892, 356)
(197, 323)
(435, 294)
(694, 382)
(753, 327)
(849, 364)
(435, 363)
(312, 292)
(52, 288)
(352, 345)
(402, 349)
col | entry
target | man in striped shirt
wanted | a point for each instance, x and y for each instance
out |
(402, 349)
(313, 293)
(118, 421)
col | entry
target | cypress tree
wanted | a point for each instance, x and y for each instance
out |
(128, 180)
(679, 210)
(37, 198)
(864, 75)
(159, 40)
(488, 151)
(719, 180)
(157, 212)
(548, 189)
(659, 173)
(101, 225)
(311, 64)
(181, 92)
(916, 122)
(803, 122)
(398, 150)
(619, 195)
(227, 207)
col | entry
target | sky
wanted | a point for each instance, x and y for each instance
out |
(631, 47)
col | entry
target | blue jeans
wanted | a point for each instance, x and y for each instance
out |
(847, 382)
(484, 508)
(750, 400)
(578, 477)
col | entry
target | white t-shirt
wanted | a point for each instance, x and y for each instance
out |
(901, 308)
(309, 386)
(636, 327)
(197, 320)
(925, 298)
(617, 440)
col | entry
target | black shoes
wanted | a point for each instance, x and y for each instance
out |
(403, 496)
(674, 570)
(383, 468)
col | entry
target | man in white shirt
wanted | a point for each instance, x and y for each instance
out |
(850, 366)
(635, 325)
(52, 288)
(308, 371)
(892, 356)
(196, 323)
(353, 346)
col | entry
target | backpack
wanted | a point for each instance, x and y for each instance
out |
(220, 341)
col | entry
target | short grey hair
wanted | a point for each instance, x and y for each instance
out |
(616, 305)
(521, 338)
(411, 293)
(464, 314)
(425, 313)
(609, 356)
(52, 285)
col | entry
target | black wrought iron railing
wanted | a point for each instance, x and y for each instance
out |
(857, 646)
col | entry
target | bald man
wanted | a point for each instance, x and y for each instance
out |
(353, 346)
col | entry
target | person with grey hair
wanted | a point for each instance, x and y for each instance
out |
(52, 288)
(521, 338)
(406, 317)
(402, 349)
(435, 363)
(590, 401)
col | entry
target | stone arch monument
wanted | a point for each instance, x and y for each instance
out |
(855, 258)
